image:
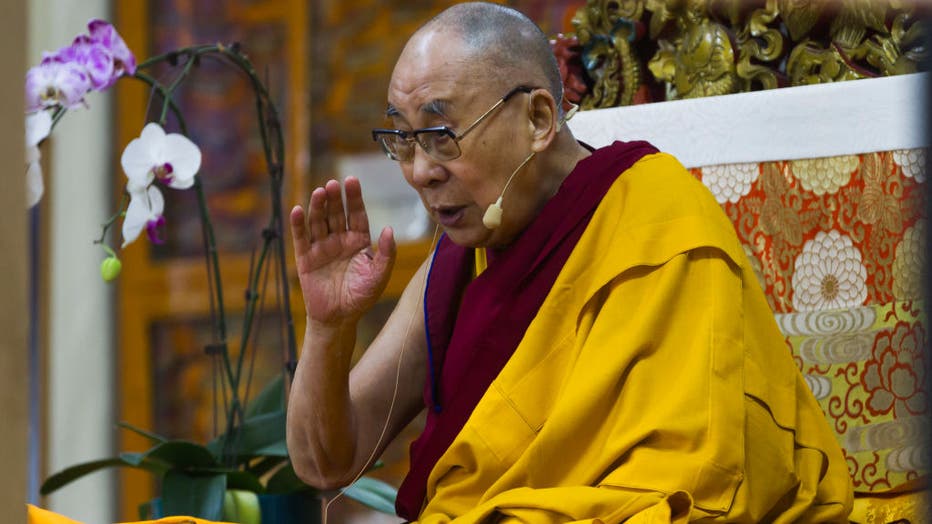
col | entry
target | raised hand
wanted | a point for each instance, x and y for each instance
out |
(341, 276)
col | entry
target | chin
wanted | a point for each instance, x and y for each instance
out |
(469, 237)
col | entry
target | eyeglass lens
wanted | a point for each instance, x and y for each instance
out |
(437, 144)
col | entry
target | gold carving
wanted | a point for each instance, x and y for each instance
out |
(700, 63)
(758, 42)
(800, 16)
(709, 47)
(605, 30)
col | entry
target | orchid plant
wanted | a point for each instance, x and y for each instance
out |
(206, 481)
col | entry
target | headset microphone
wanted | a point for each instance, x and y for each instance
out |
(492, 218)
(493, 215)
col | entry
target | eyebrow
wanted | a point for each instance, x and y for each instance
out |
(435, 107)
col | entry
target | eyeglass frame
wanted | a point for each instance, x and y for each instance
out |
(411, 136)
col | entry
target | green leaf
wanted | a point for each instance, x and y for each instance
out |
(72, 473)
(270, 400)
(156, 439)
(68, 475)
(179, 454)
(285, 481)
(275, 449)
(138, 460)
(373, 493)
(198, 496)
(260, 435)
(244, 480)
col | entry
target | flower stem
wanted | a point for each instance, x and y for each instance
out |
(112, 220)
(274, 151)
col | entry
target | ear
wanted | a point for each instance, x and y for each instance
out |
(542, 119)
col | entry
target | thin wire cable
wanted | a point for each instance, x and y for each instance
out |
(391, 407)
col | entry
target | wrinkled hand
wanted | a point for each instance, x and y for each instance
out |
(341, 276)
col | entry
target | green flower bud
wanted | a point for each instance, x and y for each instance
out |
(110, 268)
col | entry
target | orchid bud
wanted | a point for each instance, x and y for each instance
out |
(110, 268)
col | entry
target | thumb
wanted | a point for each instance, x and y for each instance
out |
(385, 255)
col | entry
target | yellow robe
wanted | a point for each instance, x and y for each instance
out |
(652, 386)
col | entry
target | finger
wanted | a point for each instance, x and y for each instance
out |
(386, 253)
(299, 233)
(355, 206)
(336, 215)
(316, 214)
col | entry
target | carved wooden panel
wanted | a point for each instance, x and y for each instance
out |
(634, 51)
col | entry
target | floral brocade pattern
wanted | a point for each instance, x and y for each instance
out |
(838, 246)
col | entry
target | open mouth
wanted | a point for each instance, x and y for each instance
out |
(449, 216)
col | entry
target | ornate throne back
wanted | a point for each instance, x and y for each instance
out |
(837, 243)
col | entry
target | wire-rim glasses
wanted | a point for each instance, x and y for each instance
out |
(440, 142)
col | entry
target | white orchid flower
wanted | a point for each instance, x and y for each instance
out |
(170, 158)
(145, 209)
(38, 126)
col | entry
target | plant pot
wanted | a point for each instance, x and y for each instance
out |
(294, 508)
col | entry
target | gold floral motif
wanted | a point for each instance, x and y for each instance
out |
(782, 216)
(912, 163)
(824, 175)
(777, 219)
(829, 274)
(881, 201)
(908, 263)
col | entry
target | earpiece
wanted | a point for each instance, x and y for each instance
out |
(492, 218)
(569, 114)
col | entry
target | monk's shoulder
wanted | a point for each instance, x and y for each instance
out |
(658, 188)
(657, 209)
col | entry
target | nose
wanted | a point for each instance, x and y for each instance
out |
(425, 171)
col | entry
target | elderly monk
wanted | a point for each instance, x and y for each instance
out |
(588, 338)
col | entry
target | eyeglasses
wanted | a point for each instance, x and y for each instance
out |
(441, 142)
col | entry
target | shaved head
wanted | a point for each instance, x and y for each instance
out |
(508, 43)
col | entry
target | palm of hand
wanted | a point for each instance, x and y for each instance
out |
(341, 276)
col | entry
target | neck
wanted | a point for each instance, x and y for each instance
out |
(552, 167)
(562, 160)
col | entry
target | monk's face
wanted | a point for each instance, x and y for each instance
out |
(436, 83)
